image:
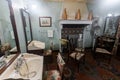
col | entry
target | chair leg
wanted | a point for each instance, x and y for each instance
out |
(109, 60)
(46, 66)
(84, 60)
(78, 64)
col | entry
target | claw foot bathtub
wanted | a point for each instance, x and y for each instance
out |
(31, 69)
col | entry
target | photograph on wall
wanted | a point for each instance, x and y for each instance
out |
(45, 21)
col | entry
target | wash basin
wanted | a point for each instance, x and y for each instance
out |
(37, 44)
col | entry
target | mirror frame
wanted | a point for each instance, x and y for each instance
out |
(12, 18)
(24, 25)
(115, 23)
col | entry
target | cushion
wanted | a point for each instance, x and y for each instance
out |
(37, 44)
(52, 75)
(78, 56)
(60, 59)
(79, 49)
(60, 62)
(101, 50)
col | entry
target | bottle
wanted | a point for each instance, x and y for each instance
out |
(90, 15)
(80, 41)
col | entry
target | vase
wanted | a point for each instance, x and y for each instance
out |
(78, 15)
(90, 15)
(64, 15)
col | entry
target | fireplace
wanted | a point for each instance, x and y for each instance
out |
(73, 31)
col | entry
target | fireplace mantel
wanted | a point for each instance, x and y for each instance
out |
(85, 22)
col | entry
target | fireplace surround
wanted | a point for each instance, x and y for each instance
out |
(73, 31)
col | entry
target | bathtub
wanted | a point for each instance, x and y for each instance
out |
(6, 59)
(32, 69)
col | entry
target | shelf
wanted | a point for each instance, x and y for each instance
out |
(85, 22)
(67, 0)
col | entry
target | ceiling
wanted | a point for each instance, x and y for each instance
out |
(87, 1)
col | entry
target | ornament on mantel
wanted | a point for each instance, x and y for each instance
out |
(64, 15)
(78, 15)
(90, 15)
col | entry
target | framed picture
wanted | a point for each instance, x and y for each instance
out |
(45, 21)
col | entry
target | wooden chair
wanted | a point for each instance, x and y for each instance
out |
(58, 73)
(76, 54)
(104, 49)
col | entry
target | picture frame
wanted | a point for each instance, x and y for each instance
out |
(45, 21)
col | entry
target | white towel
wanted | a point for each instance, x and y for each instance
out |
(50, 33)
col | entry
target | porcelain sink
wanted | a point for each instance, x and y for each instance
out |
(37, 44)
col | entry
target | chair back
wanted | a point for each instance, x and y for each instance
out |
(106, 44)
(115, 46)
(61, 63)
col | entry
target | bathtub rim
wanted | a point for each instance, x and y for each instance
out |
(9, 63)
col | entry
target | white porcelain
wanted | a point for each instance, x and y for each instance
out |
(9, 57)
(32, 71)
(5, 60)
(37, 44)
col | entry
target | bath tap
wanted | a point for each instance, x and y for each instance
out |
(2, 62)
(19, 63)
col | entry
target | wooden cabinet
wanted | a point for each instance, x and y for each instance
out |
(118, 40)
(105, 43)
(118, 50)
(118, 43)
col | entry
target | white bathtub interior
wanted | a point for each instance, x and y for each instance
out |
(33, 70)
(5, 59)
(36, 45)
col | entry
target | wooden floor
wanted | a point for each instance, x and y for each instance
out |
(100, 74)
